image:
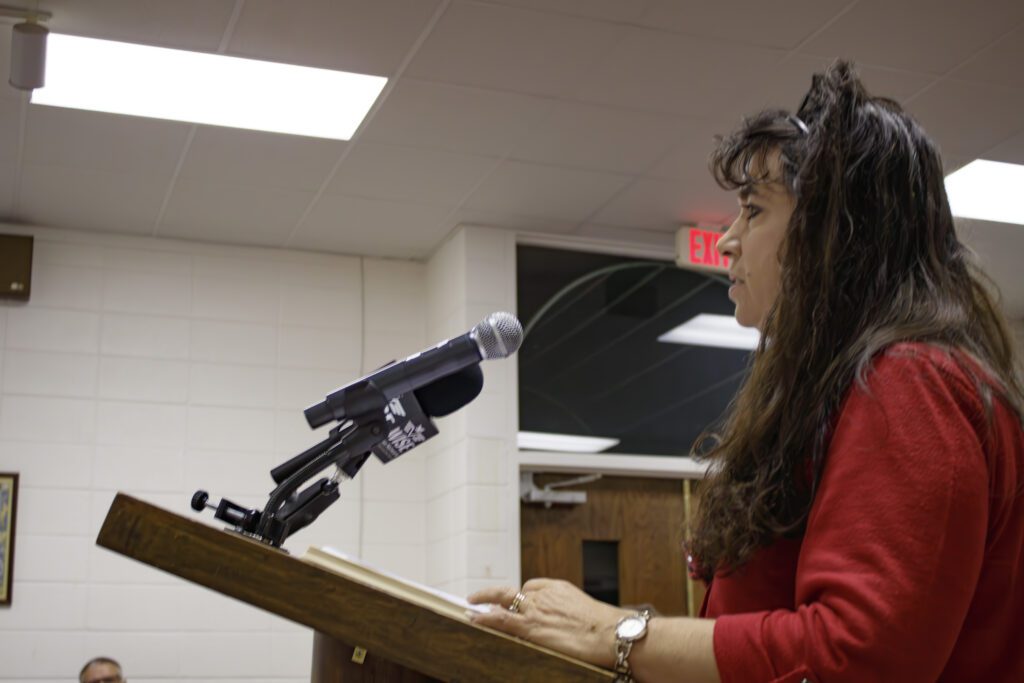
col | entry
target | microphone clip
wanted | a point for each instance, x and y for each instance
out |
(288, 509)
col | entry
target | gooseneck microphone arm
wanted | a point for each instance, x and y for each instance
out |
(282, 517)
(286, 510)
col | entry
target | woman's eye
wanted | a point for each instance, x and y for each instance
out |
(751, 211)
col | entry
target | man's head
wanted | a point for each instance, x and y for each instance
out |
(101, 670)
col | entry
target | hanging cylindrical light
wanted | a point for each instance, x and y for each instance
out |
(28, 56)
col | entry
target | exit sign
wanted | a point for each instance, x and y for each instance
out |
(697, 249)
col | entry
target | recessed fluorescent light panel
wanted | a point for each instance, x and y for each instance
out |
(987, 190)
(540, 441)
(713, 330)
(139, 80)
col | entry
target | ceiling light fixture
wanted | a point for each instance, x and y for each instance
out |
(28, 47)
(721, 331)
(198, 87)
(987, 190)
(541, 441)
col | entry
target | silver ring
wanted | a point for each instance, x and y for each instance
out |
(517, 602)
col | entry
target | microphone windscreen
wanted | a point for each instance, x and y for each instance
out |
(446, 395)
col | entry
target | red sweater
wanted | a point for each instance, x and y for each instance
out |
(912, 564)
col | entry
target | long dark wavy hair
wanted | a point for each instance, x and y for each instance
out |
(870, 258)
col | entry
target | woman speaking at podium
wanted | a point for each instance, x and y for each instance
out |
(863, 516)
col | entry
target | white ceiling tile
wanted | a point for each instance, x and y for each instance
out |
(356, 225)
(784, 88)
(245, 157)
(232, 214)
(688, 159)
(107, 142)
(925, 36)
(10, 117)
(787, 84)
(511, 221)
(601, 138)
(967, 119)
(7, 194)
(508, 48)
(363, 36)
(409, 174)
(951, 163)
(744, 21)
(1001, 63)
(998, 246)
(545, 191)
(1010, 150)
(664, 239)
(671, 73)
(89, 199)
(609, 10)
(662, 205)
(182, 24)
(479, 122)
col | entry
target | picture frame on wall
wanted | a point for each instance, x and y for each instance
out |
(8, 518)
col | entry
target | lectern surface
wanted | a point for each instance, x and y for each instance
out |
(344, 610)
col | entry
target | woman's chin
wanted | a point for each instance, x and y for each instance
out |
(744, 319)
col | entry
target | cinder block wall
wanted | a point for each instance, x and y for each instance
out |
(472, 506)
(159, 367)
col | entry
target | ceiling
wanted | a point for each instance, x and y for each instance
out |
(590, 118)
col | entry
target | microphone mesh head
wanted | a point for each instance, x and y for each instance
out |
(498, 335)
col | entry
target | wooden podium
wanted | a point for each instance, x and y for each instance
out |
(403, 641)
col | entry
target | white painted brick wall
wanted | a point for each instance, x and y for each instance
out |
(157, 368)
(472, 507)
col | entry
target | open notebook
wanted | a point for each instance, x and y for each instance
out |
(392, 584)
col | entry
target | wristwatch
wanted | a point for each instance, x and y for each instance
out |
(629, 630)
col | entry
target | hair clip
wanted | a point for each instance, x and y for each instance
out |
(798, 123)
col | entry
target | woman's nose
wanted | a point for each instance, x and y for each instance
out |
(728, 244)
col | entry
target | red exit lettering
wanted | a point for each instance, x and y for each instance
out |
(704, 249)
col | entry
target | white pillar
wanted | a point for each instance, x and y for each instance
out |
(472, 514)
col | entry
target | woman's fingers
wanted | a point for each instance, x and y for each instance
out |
(495, 595)
(501, 620)
(538, 584)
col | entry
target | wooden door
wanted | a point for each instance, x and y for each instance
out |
(624, 545)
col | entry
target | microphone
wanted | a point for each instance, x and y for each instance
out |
(496, 336)
(410, 417)
(448, 394)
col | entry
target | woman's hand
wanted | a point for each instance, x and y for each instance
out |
(554, 614)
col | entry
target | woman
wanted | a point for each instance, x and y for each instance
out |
(863, 519)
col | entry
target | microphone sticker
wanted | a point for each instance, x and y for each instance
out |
(411, 427)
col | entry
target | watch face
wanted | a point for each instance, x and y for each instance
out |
(631, 627)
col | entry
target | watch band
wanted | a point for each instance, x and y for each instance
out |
(623, 647)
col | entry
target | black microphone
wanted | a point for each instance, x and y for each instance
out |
(439, 398)
(496, 336)
(408, 416)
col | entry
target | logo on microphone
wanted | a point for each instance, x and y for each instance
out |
(406, 437)
(411, 427)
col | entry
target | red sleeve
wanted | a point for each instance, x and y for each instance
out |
(894, 541)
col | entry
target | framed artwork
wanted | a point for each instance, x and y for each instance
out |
(8, 511)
